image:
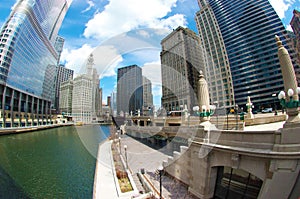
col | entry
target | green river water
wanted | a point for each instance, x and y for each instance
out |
(54, 163)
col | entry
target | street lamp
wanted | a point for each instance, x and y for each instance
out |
(125, 148)
(217, 105)
(236, 116)
(160, 171)
(120, 144)
(275, 109)
(289, 103)
(206, 112)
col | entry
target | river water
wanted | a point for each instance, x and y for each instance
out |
(54, 163)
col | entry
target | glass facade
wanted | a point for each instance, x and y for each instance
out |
(129, 89)
(28, 57)
(26, 47)
(236, 183)
(248, 29)
(218, 74)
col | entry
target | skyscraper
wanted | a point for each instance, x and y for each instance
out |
(62, 74)
(82, 104)
(181, 61)
(147, 96)
(113, 106)
(59, 45)
(295, 23)
(65, 97)
(86, 99)
(26, 51)
(129, 89)
(247, 29)
(215, 57)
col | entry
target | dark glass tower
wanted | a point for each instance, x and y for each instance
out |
(27, 57)
(248, 29)
(129, 89)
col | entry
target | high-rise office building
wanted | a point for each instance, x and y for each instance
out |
(108, 101)
(87, 95)
(147, 96)
(247, 29)
(181, 61)
(82, 99)
(97, 91)
(291, 41)
(59, 45)
(26, 51)
(295, 23)
(129, 90)
(215, 57)
(113, 106)
(62, 74)
(65, 97)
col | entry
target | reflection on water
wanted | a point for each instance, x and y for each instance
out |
(54, 163)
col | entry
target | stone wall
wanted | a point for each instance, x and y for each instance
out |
(272, 156)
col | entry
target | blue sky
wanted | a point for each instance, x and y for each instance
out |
(121, 35)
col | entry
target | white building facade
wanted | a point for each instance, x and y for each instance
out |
(87, 95)
(82, 106)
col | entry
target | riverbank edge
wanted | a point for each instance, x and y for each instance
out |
(18, 130)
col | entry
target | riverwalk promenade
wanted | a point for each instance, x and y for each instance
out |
(141, 156)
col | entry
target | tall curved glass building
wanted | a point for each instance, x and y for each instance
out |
(28, 60)
(247, 29)
(215, 57)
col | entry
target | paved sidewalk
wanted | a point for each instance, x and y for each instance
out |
(104, 183)
(141, 156)
(172, 188)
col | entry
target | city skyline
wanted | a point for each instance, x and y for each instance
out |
(80, 39)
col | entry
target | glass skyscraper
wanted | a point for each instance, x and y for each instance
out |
(215, 57)
(129, 89)
(248, 29)
(27, 55)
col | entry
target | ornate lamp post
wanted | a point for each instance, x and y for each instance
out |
(249, 108)
(290, 85)
(203, 99)
(236, 116)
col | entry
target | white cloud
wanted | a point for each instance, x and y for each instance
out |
(143, 33)
(121, 16)
(281, 6)
(91, 5)
(153, 72)
(107, 59)
(75, 59)
(289, 27)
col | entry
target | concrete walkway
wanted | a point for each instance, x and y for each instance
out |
(141, 156)
(104, 183)
(265, 127)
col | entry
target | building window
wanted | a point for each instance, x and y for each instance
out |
(236, 183)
